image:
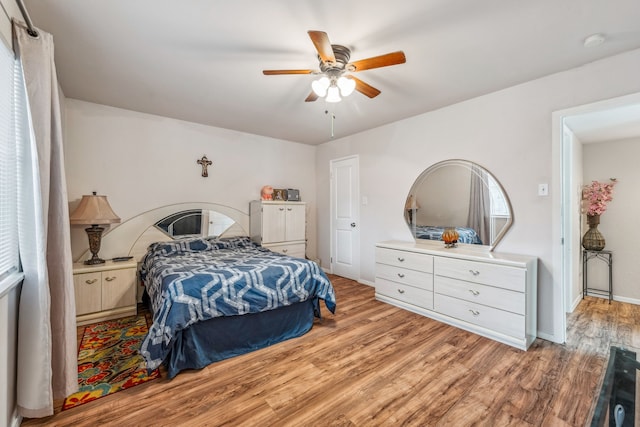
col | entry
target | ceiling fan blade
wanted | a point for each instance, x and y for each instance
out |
(393, 58)
(277, 72)
(323, 45)
(365, 88)
(312, 97)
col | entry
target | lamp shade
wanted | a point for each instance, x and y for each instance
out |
(411, 203)
(320, 86)
(333, 94)
(93, 209)
(346, 85)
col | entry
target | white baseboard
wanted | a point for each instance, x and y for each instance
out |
(16, 419)
(575, 303)
(634, 301)
(548, 337)
(366, 282)
(618, 298)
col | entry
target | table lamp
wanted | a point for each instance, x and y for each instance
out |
(410, 206)
(94, 210)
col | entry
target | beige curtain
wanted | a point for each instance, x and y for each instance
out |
(480, 205)
(47, 346)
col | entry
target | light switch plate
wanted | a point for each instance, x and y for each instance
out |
(543, 189)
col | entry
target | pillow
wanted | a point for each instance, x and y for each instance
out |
(236, 242)
(192, 244)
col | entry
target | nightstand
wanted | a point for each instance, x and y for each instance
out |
(104, 291)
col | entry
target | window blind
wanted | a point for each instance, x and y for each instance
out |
(8, 165)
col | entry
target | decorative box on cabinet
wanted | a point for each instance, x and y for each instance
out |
(104, 291)
(488, 293)
(279, 226)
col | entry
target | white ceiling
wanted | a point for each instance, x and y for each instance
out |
(607, 125)
(202, 61)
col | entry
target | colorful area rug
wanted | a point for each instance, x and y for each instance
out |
(109, 359)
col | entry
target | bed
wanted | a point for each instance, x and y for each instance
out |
(215, 298)
(465, 234)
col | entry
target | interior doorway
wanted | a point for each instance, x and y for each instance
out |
(609, 120)
(345, 217)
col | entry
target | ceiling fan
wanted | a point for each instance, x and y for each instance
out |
(334, 64)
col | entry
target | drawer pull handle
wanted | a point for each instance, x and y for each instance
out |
(474, 292)
(400, 259)
(289, 209)
(90, 282)
(401, 291)
(400, 275)
(475, 312)
(110, 279)
(285, 250)
(474, 272)
(280, 209)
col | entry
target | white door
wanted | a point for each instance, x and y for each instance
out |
(345, 217)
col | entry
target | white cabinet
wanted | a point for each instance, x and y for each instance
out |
(487, 293)
(104, 291)
(279, 226)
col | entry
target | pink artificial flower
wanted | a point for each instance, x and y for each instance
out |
(596, 196)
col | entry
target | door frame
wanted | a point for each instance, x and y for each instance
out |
(562, 169)
(356, 196)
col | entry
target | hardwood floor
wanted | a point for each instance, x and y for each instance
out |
(373, 364)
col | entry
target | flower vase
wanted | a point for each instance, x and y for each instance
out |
(593, 240)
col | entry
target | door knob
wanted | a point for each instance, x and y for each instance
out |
(353, 224)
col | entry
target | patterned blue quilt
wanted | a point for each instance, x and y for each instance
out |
(192, 280)
(465, 234)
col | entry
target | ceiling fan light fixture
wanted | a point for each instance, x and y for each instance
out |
(346, 85)
(320, 86)
(333, 94)
(333, 62)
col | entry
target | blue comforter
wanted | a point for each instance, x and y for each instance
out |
(465, 234)
(193, 280)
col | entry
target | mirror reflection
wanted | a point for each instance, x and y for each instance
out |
(195, 222)
(462, 195)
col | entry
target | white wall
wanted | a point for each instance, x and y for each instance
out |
(619, 224)
(508, 132)
(575, 183)
(142, 162)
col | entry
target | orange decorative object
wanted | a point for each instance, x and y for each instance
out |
(266, 193)
(450, 237)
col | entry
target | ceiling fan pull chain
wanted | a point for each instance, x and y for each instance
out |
(333, 117)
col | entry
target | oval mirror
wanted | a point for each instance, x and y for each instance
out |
(459, 194)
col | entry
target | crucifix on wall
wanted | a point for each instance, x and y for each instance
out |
(204, 162)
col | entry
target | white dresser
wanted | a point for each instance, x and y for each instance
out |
(279, 226)
(488, 293)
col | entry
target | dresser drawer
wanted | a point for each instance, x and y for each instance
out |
(411, 260)
(491, 318)
(501, 276)
(409, 294)
(292, 249)
(418, 279)
(499, 298)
